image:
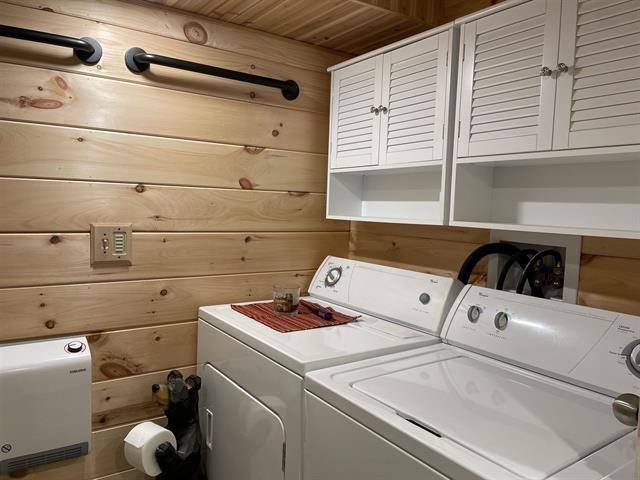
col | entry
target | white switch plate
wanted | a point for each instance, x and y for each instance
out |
(572, 245)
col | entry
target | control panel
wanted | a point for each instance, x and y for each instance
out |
(414, 299)
(593, 348)
(616, 357)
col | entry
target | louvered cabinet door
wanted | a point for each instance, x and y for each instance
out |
(355, 128)
(506, 105)
(414, 93)
(598, 97)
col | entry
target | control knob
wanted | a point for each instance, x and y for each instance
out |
(632, 354)
(501, 320)
(74, 347)
(634, 358)
(333, 276)
(424, 298)
(473, 314)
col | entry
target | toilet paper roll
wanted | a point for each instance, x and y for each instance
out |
(140, 446)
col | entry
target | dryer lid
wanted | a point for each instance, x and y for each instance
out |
(525, 423)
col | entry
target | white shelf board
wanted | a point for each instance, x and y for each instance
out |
(591, 232)
(557, 157)
(391, 168)
(364, 218)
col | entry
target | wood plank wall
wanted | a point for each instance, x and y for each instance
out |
(609, 267)
(224, 183)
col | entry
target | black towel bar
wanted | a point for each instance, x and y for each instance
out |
(137, 60)
(86, 49)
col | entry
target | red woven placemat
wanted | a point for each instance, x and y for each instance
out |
(305, 319)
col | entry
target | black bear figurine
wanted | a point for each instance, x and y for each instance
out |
(180, 399)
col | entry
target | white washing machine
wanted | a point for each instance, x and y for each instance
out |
(251, 400)
(521, 388)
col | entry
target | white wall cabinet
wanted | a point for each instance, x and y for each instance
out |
(542, 133)
(548, 131)
(547, 75)
(390, 129)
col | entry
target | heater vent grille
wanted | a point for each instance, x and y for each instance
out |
(41, 458)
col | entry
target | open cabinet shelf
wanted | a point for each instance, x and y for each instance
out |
(593, 198)
(403, 195)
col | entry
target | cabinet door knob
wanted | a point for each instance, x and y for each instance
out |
(375, 110)
(562, 68)
(383, 109)
(546, 72)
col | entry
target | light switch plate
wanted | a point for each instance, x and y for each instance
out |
(111, 244)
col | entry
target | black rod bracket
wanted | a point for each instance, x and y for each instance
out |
(87, 56)
(86, 49)
(138, 61)
(132, 64)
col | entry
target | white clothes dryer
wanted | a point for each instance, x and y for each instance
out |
(251, 401)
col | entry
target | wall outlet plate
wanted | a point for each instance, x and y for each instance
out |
(111, 244)
(569, 246)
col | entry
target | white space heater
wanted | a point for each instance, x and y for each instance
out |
(45, 402)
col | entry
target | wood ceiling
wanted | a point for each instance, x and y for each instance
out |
(351, 26)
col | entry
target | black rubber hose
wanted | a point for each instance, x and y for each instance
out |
(479, 253)
(521, 256)
(489, 249)
(526, 272)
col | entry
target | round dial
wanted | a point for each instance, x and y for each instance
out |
(473, 314)
(74, 347)
(632, 354)
(424, 298)
(333, 276)
(501, 320)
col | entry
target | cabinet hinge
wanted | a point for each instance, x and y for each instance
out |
(447, 62)
(284, 455)
(464, 48)
(459, 125)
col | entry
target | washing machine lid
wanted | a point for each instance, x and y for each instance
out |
(525, 423)
(317, 348)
